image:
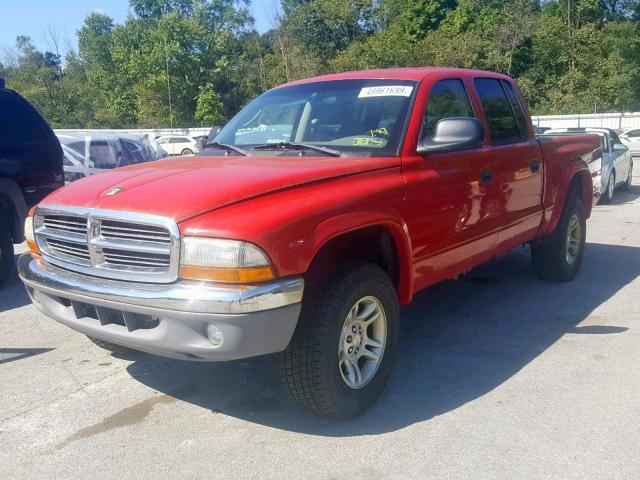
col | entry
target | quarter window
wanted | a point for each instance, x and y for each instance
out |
(448, 99)
(503, 126)
(523, 125)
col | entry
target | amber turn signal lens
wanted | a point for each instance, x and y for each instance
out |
(33, 248)
(227, 275)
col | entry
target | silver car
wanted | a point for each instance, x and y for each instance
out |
(617, 162)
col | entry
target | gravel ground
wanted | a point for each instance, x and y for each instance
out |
(499, 375)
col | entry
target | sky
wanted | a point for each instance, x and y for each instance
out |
(37, 18)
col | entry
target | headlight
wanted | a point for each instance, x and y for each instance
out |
(220, 260)
(29, 235)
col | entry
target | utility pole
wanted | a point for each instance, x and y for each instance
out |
(166, 57)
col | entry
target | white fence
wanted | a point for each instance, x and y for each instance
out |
(152, 132)
(620, 121)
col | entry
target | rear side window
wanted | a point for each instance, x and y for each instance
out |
(503, 125)
(19, 123)
(448, 99)
(634, 133)
(523, 126)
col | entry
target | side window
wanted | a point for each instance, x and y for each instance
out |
(448, 98)
(503, 126)
(523, 125)
(634, 133)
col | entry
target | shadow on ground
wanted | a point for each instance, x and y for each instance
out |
(461, 339)
(12, 291)
(626, 196)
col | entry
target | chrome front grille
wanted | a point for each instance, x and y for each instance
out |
(109, 243)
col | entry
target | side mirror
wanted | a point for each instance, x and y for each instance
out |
(451, 134)
(619, 147)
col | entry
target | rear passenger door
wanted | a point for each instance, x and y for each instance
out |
(516, 163)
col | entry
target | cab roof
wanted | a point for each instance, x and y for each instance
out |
(405, 73)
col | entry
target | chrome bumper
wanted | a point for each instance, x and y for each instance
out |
(254, 319)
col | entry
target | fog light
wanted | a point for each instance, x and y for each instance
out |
(215, 335)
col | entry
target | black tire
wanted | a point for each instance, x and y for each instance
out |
(627, 184)
(607, 195)
(6, 255)
(309, 366)
(112, 347)
(549, 255)
(186, 151)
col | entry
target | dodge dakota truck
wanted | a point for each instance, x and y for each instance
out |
(317, 211)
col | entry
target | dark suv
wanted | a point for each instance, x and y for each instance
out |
(30, 168)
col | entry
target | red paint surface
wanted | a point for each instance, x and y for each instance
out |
(443, 219)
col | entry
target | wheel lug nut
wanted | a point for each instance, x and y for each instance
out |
(354, 329)
(349, 339)
(350, 349)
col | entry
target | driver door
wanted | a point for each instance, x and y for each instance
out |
(451, 196)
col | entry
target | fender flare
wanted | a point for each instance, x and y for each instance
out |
(342, 224)
(578, 175)
(10, 190)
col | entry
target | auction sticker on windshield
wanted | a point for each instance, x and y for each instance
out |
(386, 91)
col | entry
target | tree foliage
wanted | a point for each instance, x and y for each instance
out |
(196, 62)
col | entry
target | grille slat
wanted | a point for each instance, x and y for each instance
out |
(125, 231)
(100, 243)
(77, 250)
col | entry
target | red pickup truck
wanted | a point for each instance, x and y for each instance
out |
(318, 210)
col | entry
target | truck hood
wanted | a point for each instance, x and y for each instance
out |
(184, 187)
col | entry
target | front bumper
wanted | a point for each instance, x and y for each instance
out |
(169, 320)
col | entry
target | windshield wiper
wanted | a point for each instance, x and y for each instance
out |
(227, 147)
(297, 146)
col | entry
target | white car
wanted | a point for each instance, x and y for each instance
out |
(617, 162)
(631, 138)
(178, 144)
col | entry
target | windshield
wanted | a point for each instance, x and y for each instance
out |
(354, 117)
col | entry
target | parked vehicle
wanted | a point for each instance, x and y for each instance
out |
(30, 169)
(201, 141)
(540, 130)
(323, 206)
(88, 153)
(617, 162)
(178, 144)
(631, 138)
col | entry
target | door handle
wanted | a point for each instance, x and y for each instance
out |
(534, 166)
(486, 176)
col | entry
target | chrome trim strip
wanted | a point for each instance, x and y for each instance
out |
(98, 266)
(182, 296)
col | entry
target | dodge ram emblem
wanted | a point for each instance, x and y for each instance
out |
(112, 191)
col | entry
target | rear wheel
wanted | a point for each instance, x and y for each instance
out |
(187, 151)
(629, 181)
(341, 354)
(6, 255)
(558, 257)
(611, 186)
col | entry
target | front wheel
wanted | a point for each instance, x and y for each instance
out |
(558, 257)
(341, 354)
(187, 151)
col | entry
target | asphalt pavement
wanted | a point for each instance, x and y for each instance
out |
(499, 375)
